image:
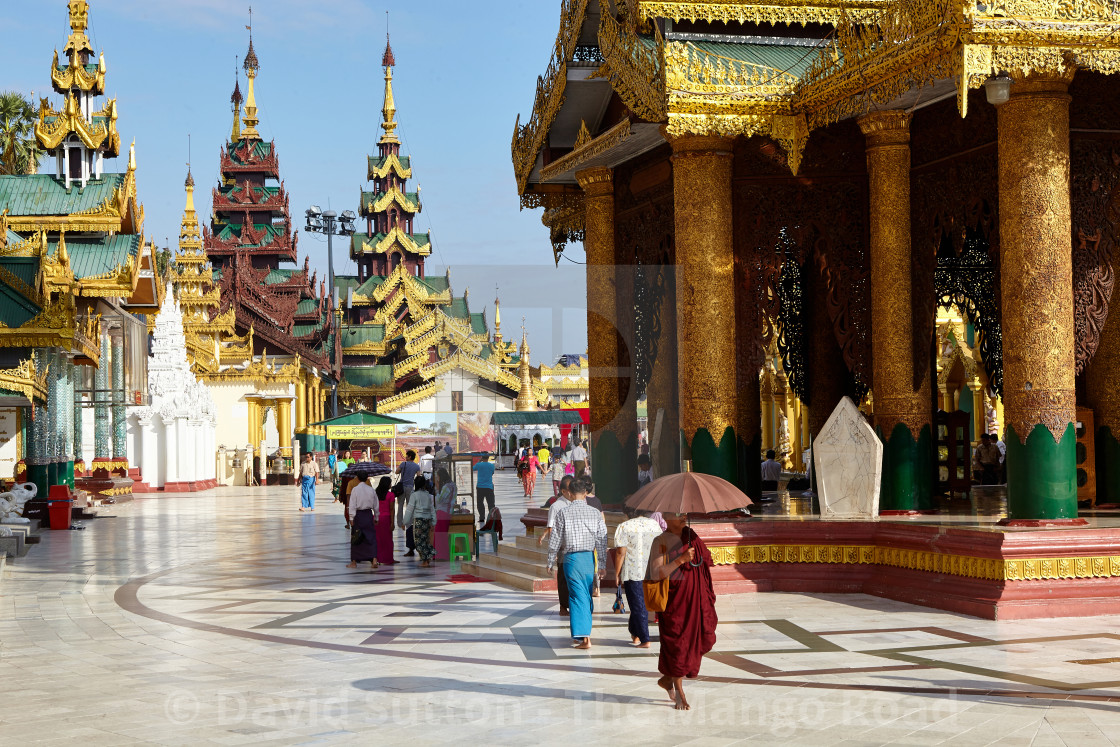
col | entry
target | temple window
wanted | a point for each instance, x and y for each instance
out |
(75, 163)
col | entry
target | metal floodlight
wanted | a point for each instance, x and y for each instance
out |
(314, 211)
(349, 216)
(998, 89)
(314, 224)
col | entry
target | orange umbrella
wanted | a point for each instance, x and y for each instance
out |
(689, 493)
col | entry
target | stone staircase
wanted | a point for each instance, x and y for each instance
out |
(23, 535)
(522, 564)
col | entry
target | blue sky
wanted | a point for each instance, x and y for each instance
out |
(464, 71)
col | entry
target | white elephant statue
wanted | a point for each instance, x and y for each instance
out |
(13, 502)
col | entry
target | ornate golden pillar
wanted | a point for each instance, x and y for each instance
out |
(284, 421)
(610, 315)
(795, 430)
(254, 435)
(1036, 265)
(301, 406)
(706, 303)
(978, 424)
(783, 398)
(902, 409)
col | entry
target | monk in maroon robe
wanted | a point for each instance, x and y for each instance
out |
(688, 625)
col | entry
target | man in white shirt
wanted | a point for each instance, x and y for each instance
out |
(427, 464)
(562, 502)
(579, 459)
(632, 540)
(771, 471)
(363, 498)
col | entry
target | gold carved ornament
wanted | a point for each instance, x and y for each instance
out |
(636, 71)
(412, 396)
(774, 12)
(93, 134)
(530, 138)
(391, 164)
(76, 76)
(26, 379)
(991, 569)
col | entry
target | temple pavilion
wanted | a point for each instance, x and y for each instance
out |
(409, 344)
(78, 278)
(260, 331)
(817, 188)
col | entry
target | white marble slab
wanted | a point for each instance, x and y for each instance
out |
(848, 457)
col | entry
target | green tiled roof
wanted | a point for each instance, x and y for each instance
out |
(89, 257)
(790, 59)
(478, 324)
(362, 333)
(437, 283)
(272, 230)
(369, 285)
(358, 239)
(279, 276)
(343, 283)
(14, 238)
(301, 330)
(376, 162)
(43, 194)
(368, 376)
(24, 268)
(261, 148)
(307, 306)
(15, 308)
(368, 197)
(363, 417)
(457, 308)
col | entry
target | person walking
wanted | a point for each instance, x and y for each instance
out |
(580, 536)
(557, 470)
(687, 627)
(559, 504)
(633, 539)
(308, 472)
(427, 463)
(445, 492)
(421, 515)
(385, 501)
(484, 487)
(363, 511)
(532, 467)
(408, 470)
(579, 459)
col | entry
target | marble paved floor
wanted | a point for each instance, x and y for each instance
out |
(229, 618)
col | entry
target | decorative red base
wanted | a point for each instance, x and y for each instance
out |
(1056, 572)
(176, 487)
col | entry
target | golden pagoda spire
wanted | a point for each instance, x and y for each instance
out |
(252, 65)
(497, 322)
(79, 22)
(190, 241)
(389, 110)
(235, 104)
(525, 400)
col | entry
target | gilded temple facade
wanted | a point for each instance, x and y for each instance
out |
(79, 277)
(810, 174)
(410, 345)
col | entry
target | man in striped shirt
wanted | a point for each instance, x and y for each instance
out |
(580, 538)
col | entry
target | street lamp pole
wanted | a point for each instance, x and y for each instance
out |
(331, 224)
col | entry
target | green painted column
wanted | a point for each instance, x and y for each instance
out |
(36, 444)
(120, 424)
(1039, 475)
(1036, 266)
(102, 431)
(902, 400)
(706, 313)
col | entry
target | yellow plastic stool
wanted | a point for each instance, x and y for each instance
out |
(457, 554)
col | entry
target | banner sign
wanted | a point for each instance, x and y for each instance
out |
(352, 432)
